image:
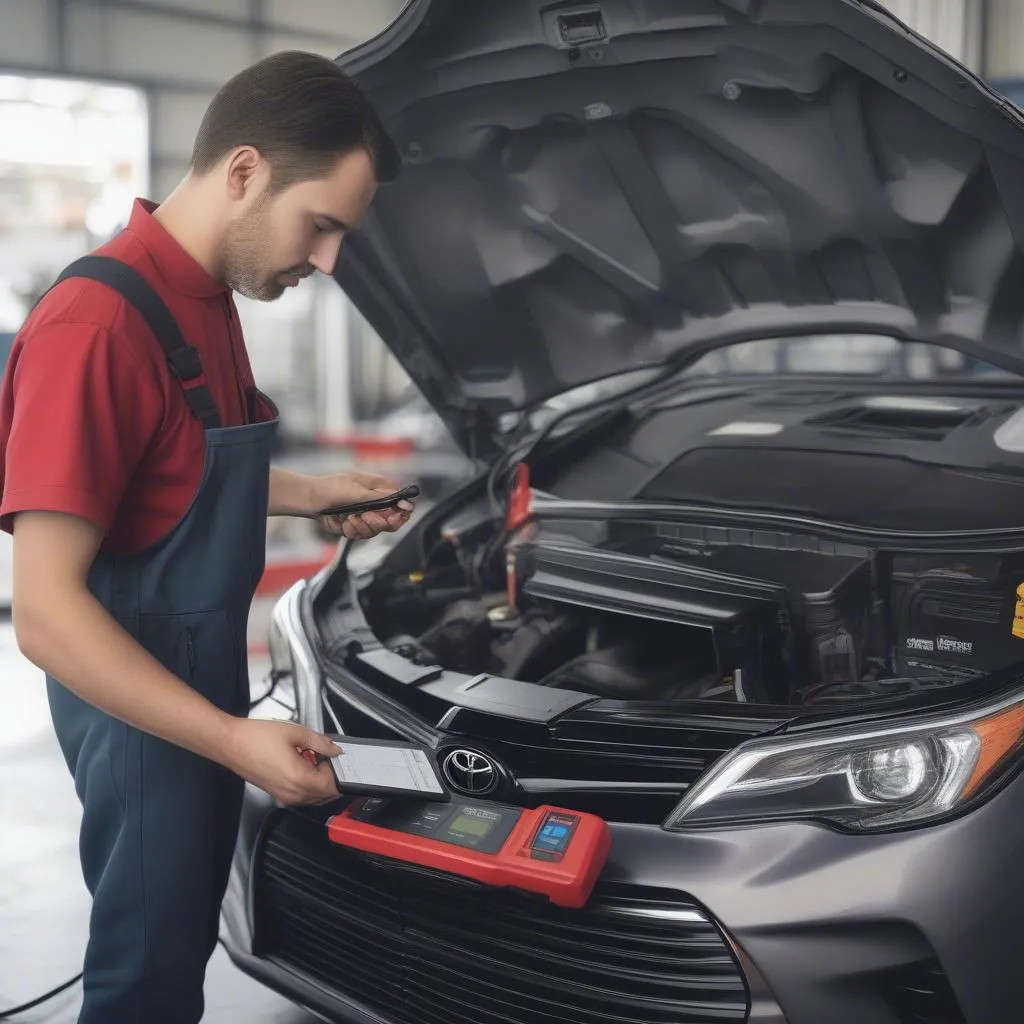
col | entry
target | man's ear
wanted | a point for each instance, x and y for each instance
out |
(246, 172)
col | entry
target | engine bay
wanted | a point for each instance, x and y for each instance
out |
(652, 612)
(633, 608)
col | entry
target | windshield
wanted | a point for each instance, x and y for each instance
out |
(860, 356)
(853, 355)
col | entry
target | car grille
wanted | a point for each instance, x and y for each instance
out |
(630, 763)
(421, 947)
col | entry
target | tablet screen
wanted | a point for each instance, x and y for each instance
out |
(366, 764)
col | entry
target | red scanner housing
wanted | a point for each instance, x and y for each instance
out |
(552, 851)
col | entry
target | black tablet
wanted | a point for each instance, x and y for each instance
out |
(386, 768)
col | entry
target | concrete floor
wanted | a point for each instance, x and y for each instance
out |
(44, 905)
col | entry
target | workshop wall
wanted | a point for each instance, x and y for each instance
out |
(179, 50)
(953, 25)
(986, 35)
(1004, 36)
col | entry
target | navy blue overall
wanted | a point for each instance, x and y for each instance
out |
(159, 823)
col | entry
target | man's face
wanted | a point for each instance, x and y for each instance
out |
(282, 238)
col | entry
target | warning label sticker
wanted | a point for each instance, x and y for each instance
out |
(1018, 614)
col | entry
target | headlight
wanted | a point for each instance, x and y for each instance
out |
(858, 779)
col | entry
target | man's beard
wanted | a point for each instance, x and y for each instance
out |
(244, 272)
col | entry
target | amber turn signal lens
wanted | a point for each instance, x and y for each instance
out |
(1001, 736)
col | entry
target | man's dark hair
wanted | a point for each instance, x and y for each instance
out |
(302, 112)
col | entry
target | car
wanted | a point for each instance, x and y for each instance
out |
(723, 300)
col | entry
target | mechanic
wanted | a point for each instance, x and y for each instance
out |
(137, 492)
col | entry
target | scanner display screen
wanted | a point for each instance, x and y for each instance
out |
(474, 826)
(471, 826)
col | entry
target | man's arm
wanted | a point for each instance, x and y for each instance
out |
(67, 633)
(291, 494)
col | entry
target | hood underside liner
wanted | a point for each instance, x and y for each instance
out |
(689, 180)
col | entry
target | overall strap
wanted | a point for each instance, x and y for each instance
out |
(182, 358)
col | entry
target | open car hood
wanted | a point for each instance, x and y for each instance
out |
(591, 188)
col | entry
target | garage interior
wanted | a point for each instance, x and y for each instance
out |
(114, 90)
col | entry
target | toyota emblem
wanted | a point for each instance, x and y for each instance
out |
(470, 773)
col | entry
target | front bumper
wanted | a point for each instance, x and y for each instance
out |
(842, 929)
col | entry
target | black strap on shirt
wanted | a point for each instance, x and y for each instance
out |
(182, 358)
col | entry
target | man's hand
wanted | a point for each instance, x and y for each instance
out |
(269, 755)
(343, 488)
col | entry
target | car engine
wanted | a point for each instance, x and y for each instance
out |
(664, 614)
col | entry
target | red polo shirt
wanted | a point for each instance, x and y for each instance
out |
(91, 420)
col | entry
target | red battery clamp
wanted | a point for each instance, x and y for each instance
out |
(552, 851)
